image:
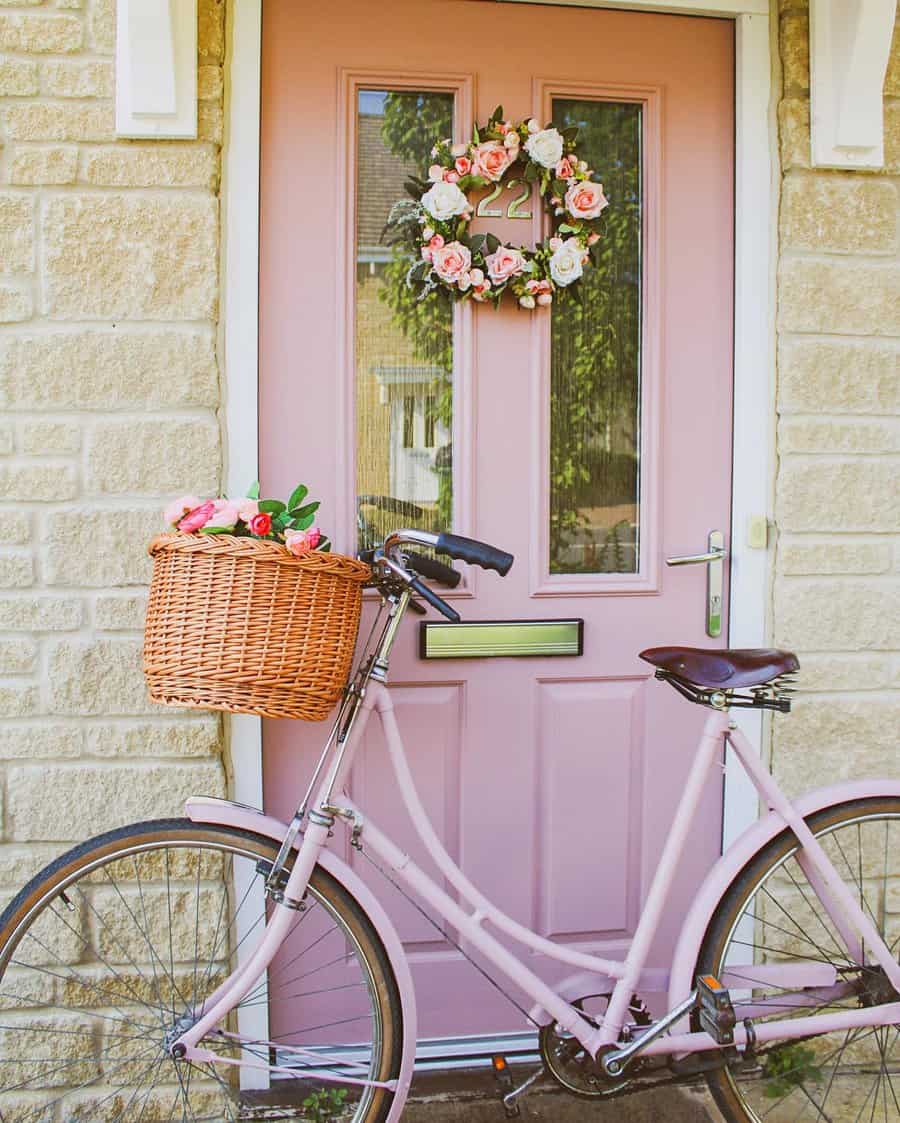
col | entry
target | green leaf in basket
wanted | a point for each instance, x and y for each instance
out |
(272, 506)
(253, 490)
(279, 522)
(299, 493)
(308, 509)
(324, 546)
(216, 530)
(305, 523)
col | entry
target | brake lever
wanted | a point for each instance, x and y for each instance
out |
(417, 607)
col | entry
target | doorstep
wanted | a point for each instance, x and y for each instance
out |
(470, 1096)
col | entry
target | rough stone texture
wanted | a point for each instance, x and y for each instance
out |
(852, 494)
(810, 435)
(16, 234)
(801, 556)
(50, 165)
(108, 370)
(100, 676)
(47, 741)
(130, 258)
(839, 214)
(15, 304)
(839, 614)
(30, 483)
(841, 298)
(17, 656)
(40, 613)
(50, 438)
(152, 166)
(60, 121)
(18, 78)
(100, 547)
(196, 738)
(40, 34)
(838, 376)
(16, 569)
(153, 457)
(77, 79)
(15, 528)
(121, 612)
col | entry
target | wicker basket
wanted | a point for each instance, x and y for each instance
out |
(242, 625)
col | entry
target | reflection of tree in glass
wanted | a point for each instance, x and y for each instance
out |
(412, 123)
(595, 371)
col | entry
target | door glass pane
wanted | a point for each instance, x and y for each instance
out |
(404, 349)
(595, 373)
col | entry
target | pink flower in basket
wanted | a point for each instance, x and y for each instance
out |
(302, 542)
(178, 508)
(261, 524)
(197, 518)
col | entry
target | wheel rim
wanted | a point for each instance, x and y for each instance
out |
(97, 973)
(841, 1077)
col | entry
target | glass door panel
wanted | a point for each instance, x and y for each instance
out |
(404, 348)
(595, 373)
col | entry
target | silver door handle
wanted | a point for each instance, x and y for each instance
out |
(714, 559)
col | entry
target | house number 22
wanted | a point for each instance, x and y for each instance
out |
(485, 210)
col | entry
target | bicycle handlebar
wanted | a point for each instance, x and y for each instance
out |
(469, 550)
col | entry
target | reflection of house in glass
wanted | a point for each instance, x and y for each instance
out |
(419, 441)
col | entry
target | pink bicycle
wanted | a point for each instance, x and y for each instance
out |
(127, 965)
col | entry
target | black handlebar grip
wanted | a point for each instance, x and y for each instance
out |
(434, 600)
(433, 570)
(474, 552)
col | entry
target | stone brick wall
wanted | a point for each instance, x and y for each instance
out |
(837, 593)
(109, 389)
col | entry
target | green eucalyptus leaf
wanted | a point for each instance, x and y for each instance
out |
(299, 493)
(272, 506)
(253, 491)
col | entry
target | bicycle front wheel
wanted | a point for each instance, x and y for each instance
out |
(105, 954)
(772, 914)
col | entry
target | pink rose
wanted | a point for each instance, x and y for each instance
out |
(463, 165)
(451, 261)
(301, 542)
(451, 177)
(505, 263)
(225, 514)
(586, 200)
(544, 299)
(477, 277)
(178, 508)
(197, 518)
(491, 160)
(564, 169)
(247, 508)
(261, 524)
(436, 241)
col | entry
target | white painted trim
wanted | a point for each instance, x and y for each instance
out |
(849, 48)
(239, 359)
(726, 9)
(755, 256)
(156, 68)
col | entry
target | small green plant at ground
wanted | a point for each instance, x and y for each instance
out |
(325, 1106)
(789, 1066)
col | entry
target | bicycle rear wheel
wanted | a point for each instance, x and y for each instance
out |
(108, 949)
(772, 914)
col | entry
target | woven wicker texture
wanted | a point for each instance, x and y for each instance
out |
(241, 625)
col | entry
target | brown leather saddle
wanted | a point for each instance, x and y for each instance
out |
(728, 669)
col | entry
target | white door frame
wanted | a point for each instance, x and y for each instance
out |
(754, 330)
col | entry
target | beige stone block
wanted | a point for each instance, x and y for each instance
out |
(68, 3)
(89, 78)
(839, 214)
(153, 457)
(101, 676)
(50, 438)
(827, 740)
(46, 741)
(838, 376)
(95, 797)
(40, 614)
(210, 121)
(15, 528)
(211, 31)
(19, 864)
(102, 370)
(18, 77)
(133, 258)
(61, 121)
(40, 34)
(16, 234)
(32, 166)
(120, 612)
(102, 25)
(152, 165)
(210, 84)
(815, 494)
(16, 569)
(811, 435)
(892, 137)
(827, 673)
(150, 740)
(30, 1043)
(175, 913)
(7, 439)
(35, 483)
(19, 700)
(801, 557)
(839, 298)
(794, 46)
(793, 132)
(15, 304)
(101, 547)
(836, 615)
(892, 78)
(17, 656)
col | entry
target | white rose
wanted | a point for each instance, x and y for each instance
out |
(545, 147)
(527, 301)
(511, 140)
(566, 262)
(533, 126)
(444, 201)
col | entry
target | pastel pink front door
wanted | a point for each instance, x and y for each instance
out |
(591, 440)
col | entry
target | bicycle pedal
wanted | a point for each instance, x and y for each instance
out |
(504, 1079)
(715, 1010)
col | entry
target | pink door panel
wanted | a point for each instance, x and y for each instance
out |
(591, 442)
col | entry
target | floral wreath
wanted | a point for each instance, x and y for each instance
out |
(479, 266)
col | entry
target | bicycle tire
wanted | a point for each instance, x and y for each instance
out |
(839, 1076)
(88, 1006)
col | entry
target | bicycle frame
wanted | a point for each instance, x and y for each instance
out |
(469, 918)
